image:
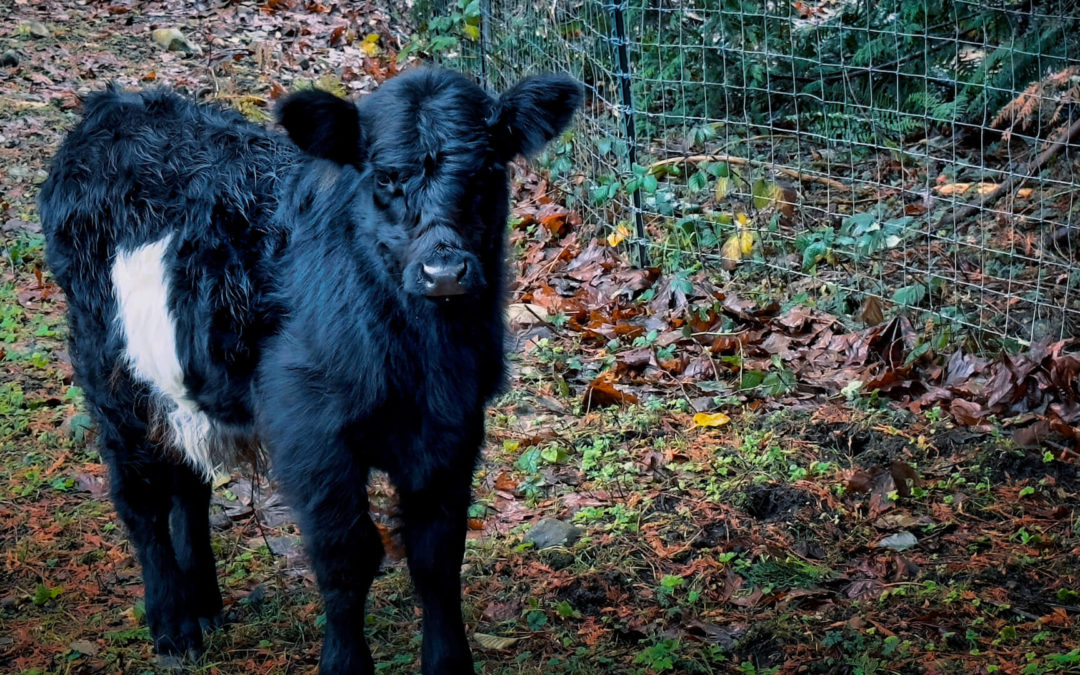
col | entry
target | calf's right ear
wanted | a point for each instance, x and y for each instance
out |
(323, 125)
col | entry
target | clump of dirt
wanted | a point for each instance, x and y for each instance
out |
(773, 502)
(1019, 466)
(761, 648)
(665, 503)
(952, 440)
(588, 594)
(1025, 591)
(850, 444)
(712, 535)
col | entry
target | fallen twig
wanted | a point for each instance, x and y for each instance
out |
(743, 161)
(56, 465)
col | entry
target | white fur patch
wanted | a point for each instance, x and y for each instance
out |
(142, 293)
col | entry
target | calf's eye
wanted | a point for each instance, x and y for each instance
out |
(384, 180)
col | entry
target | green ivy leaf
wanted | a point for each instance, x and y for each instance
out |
(908, 296)
(813, 253)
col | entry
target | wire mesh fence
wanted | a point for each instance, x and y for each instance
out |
(863, 157)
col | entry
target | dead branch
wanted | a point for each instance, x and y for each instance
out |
(1007, 185)
(743, 161)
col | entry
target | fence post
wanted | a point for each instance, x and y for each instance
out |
(622, 56)
(485, 41)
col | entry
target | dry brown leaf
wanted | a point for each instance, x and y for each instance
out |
(602, 392)
(872, 312)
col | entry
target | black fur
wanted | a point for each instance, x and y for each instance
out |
(296, 283)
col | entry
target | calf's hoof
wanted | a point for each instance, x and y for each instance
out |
(180, 640)
(345, 661)
(210, 623)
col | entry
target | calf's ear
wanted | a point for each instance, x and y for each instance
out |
(533, 112)
(323, 125)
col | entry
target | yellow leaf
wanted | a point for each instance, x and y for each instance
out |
(331, 83)
(615, 238)
(723, 186)
(746, 242)
(732, 252)
(472, 32)
(738, 245)
(494, 642)
(711, 419)
(370, 45)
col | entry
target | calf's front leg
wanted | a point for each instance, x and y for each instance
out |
(434, 518)
(345, 551)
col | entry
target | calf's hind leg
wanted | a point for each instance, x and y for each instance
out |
(189, 523)
(142, 491)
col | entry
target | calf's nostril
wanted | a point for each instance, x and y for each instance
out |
(459, 271)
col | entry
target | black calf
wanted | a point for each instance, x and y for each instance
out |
(339, 303)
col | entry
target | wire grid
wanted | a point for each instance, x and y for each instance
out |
(883, 110)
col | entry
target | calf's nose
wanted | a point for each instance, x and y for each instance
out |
(442, 279)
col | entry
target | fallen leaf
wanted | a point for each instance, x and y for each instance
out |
(618, 236)
(723, 187)
(954, 189)
(174, 41)
(602, 392)
(711, 419)
(967, 413)
(552, 217)
(526, 315)
(335, 35)
(494, 642)
(505, 482)
(898, 542)
(39, 30)
(84, 647)
(872, 313)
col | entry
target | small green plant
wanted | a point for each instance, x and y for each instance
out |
(659, 657)
(43, 594)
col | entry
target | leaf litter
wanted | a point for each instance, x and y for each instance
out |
(753, 483)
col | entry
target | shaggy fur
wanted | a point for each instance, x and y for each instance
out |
(336, 297)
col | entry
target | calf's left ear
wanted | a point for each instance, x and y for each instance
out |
(533, 112)
(323, 125)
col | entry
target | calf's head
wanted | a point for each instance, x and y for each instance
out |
(432, 149)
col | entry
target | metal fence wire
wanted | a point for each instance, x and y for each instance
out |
(920, 153)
